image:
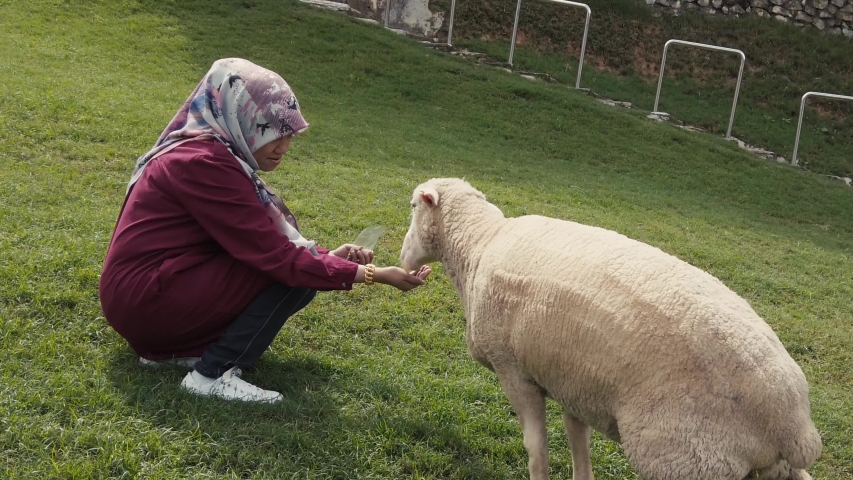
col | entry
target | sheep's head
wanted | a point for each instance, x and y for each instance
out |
(441, 207)
(421, 245)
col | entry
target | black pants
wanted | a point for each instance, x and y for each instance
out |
(253, 331)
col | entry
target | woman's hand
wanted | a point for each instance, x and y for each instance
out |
(353, 253)
(403, 280)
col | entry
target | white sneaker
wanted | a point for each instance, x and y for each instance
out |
(183, 362)
(230, 387)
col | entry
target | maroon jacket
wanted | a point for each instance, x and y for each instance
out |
(192, 247)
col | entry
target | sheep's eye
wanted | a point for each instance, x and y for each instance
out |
(413, 204)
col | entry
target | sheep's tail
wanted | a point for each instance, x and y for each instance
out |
(800, 451)
(803, 449)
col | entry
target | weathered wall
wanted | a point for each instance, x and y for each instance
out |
(833, 16)
(412, 16)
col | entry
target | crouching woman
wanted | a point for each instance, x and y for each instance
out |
(206, 263)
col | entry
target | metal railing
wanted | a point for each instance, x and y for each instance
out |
(800, 121)
(740, 53)
(707, 47)
(515, 31)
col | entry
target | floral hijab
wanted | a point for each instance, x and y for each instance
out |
(244, 106)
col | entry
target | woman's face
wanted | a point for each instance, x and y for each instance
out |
(269, 156)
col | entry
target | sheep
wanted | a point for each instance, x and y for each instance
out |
(646, 349)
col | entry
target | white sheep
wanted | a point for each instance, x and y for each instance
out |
(643, 347)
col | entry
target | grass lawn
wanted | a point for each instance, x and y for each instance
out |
(623, 56)
(377, 383)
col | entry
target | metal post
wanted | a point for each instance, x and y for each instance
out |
(450, 27)
(583, 43)
(800, 121)
(387, 11)
(707, 47)
(514, 31)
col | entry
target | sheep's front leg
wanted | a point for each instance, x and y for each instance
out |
(578, 433)
(528, 401)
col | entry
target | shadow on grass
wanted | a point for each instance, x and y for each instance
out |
(333, 422)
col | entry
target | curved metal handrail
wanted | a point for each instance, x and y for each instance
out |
(561, 2)
(800, 121)
(707, 47)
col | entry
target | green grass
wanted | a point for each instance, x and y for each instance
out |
(377, 383)
(623, 59)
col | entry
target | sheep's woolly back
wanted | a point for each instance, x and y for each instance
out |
(615, 329)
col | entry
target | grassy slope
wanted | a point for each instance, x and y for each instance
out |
(378, 383)
(623, 62)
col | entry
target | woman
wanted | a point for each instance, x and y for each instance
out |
(205, 260)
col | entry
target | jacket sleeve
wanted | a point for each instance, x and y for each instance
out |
(217, 193)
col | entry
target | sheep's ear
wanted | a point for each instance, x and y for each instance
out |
(429, 197)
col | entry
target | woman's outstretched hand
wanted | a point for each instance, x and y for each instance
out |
(353, 253)
(403, 280)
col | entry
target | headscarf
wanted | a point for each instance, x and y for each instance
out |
(244, 106)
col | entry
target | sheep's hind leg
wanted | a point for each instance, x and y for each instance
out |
(800, 475)
(578, 433)
(780, 471)
(528, 401)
